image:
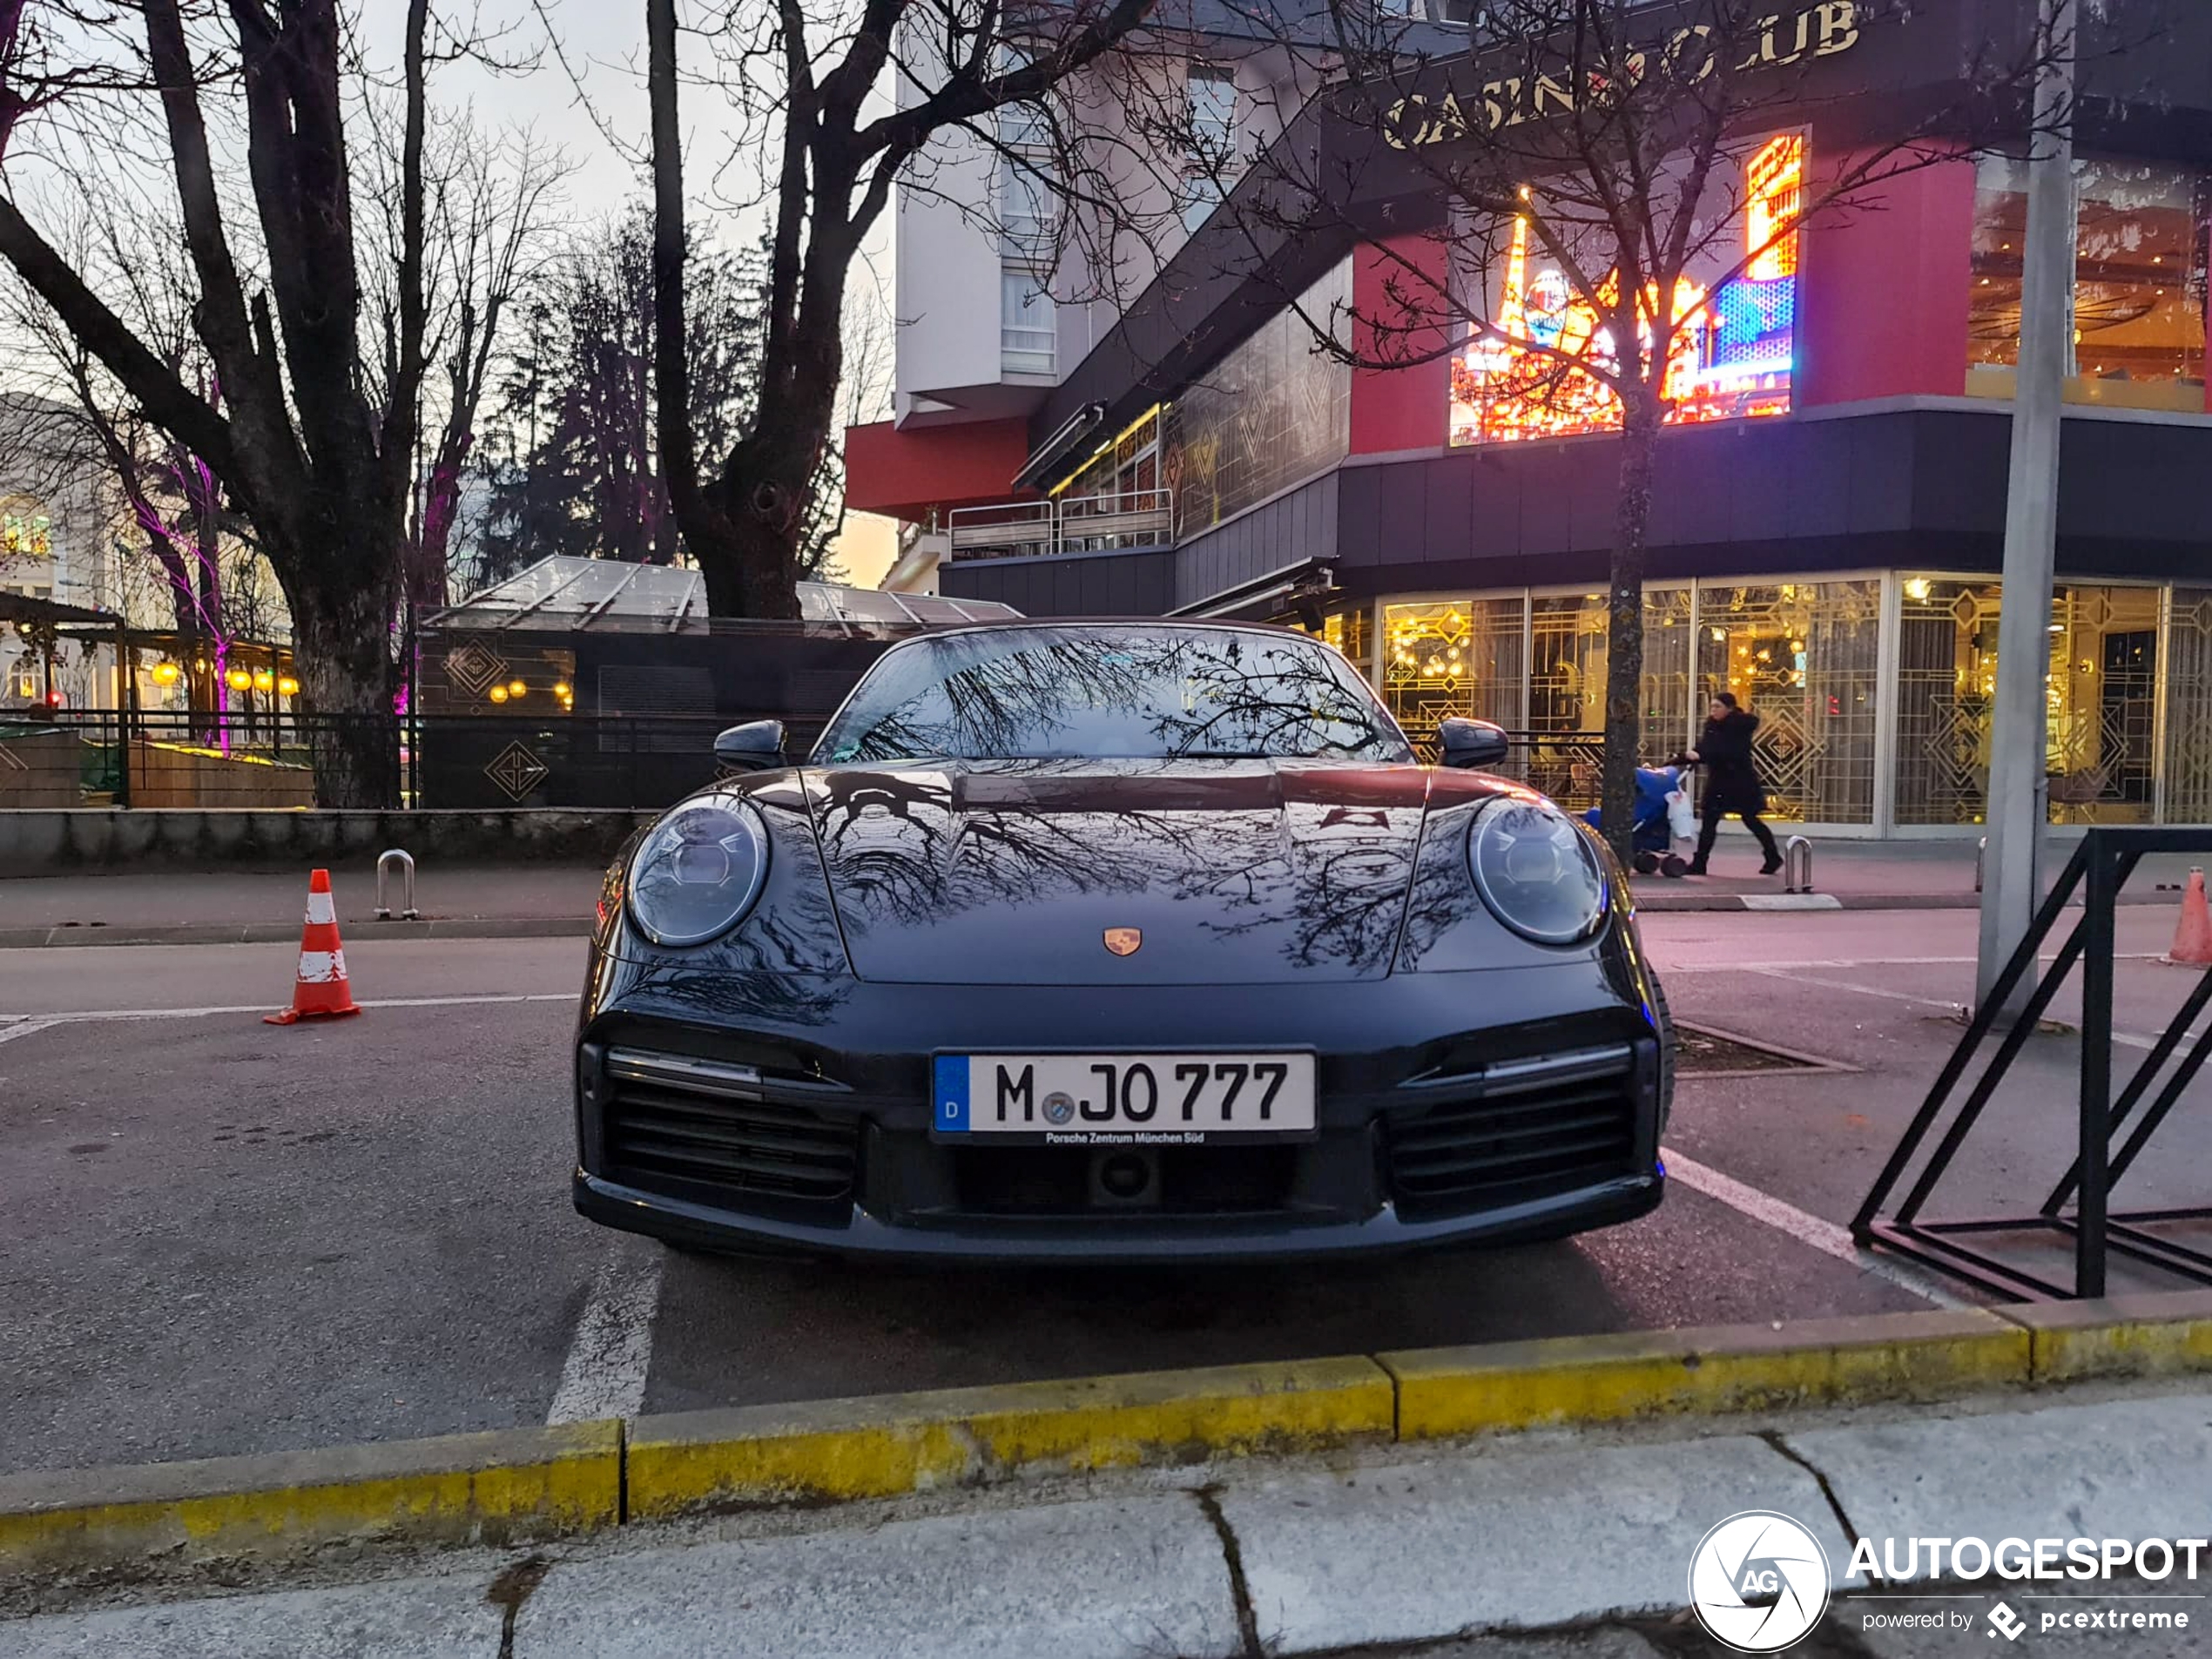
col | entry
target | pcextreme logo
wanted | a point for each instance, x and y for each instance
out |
(1758, 1581)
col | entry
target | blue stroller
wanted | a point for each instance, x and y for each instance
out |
(1652, 836)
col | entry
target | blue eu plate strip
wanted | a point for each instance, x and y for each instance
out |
(952, 1093)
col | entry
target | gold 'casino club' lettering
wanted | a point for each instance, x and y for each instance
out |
(1823, 30)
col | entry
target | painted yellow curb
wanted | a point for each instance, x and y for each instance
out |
(506, 1484)
(878, 1448)
(2129, 1336)
(528, 1483)
(1719, 1368)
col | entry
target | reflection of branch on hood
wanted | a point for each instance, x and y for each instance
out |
(1344, 904)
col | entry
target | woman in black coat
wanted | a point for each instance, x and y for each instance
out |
(1723, 752)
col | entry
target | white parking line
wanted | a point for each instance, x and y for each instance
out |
(24, 1028)
(1807, 1228)
(605, 1373)
(84, 1016)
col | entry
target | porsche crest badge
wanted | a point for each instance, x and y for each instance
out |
(1124, 941)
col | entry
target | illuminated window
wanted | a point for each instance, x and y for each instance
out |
(1734, 352)
(2139, 252)
(25, 531)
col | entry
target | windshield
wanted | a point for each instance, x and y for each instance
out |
(1112, 692)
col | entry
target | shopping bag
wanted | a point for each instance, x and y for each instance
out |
(1682, 817)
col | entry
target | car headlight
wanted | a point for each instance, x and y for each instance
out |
(1536, 870)
(698, 871)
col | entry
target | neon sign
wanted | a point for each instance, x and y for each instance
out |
(1735, 348)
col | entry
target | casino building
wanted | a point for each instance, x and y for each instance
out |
(1828, 522)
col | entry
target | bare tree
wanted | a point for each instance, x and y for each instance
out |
(492, 219)
(324, 279)
(1651, 159)
(807, 84)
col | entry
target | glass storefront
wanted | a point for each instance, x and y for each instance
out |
(2140, 283)
(1806, 657)
(2130, 689)
(2102, 762)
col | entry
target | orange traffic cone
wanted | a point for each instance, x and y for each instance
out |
(2193, 937)
(322, 992)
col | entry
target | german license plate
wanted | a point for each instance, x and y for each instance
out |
(1135, 1099)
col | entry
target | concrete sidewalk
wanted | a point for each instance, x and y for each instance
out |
(1588, 1535)
(234, 906)
(1870, 875)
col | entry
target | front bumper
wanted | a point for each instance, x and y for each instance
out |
(1254, 1239)
(1486, 1107)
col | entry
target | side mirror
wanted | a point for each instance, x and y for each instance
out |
(1471, 743)
(758, 746)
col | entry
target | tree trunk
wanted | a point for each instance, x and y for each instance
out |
(341, 650)
(1624, 629)
(750, 557)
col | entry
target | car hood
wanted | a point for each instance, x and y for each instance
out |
(1012, 873)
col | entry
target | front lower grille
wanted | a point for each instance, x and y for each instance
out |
(1516, 1131)
(710, 1130)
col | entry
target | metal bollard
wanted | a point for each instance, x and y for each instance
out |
(1981, 852)
(1796, 866)
(384, 863)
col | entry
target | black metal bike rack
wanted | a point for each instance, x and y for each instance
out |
(2098, 869)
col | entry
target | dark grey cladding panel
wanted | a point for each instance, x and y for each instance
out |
(1098, 584)
(1959, 465)
(2138, 481)
(1297, 525)
(1921, 486)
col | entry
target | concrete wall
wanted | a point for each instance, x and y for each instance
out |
(42, 769)
(31, 842)
(165, 775)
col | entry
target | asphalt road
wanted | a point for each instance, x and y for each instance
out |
(220, 1237)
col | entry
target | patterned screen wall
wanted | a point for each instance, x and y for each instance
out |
(2103, 701)
(2189, 707)
(1271, 414)
(1455, 656)
(1806, 658)
(1473, 658)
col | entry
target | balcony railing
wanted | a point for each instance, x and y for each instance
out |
(1119, 518)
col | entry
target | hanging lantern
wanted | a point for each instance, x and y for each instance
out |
(499, 693)
(515, 688)
(164, 673)
(240, 680)
(289, 686)
(263, 680)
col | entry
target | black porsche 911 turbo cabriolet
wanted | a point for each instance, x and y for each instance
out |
(1128, 940)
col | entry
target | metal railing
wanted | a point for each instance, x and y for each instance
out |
(2078, 1209)
(1079, 525)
